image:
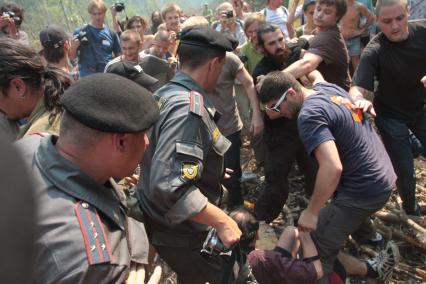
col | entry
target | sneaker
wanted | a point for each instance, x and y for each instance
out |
(377, 240)
(385, 261)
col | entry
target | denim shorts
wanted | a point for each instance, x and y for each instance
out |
(354, 46)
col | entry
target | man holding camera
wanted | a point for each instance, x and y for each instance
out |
(11, 17)
(94, 44)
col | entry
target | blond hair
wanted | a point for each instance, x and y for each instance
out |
(96, 4)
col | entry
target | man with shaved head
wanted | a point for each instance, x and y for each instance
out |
(396, 57)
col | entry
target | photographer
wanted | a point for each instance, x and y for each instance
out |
(94, 44)
(11, 17)
(228, 23)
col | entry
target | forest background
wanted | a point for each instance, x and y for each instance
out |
(71, 14)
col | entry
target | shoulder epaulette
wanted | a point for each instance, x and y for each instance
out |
(196, 103)
(95, 240)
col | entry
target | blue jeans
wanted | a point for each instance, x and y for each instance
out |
(395, 135)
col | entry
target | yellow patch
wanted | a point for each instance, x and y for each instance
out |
(216, 134)
(189, 170)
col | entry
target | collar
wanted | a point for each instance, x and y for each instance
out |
(188, 83)
(68, 178)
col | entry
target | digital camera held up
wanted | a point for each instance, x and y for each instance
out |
(119, 6)
(16, 19)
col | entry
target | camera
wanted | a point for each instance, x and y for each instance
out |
(119, 6)
(16, 19)
(213, 246)
(82, 37)
(229, 14)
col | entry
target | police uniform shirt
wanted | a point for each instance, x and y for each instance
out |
(81, 225)
(183, 167)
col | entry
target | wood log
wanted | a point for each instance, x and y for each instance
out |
(391, 233)
(409, 221)
(396, 219)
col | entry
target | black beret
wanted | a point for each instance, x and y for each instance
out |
(110, 103)
(135, 73)
(53, 36)
(205, 36)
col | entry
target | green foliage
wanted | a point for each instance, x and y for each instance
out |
(73, 13)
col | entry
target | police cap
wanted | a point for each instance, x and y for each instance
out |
(110, 103)
(135, 73)
(205, 36)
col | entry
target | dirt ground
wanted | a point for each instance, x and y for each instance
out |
(411, 239)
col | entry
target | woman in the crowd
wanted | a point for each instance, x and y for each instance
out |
(139, 24)
(308, 12)
(156, 20)
(28, 89)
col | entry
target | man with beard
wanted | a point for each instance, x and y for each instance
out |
(282, 141)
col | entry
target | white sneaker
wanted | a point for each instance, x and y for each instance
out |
(385, 261)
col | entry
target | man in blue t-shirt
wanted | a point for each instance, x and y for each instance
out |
(94, 44)
(354, 168)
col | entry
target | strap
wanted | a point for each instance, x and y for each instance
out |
(311, 258)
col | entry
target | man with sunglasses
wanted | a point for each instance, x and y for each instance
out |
(354, 170)
(282, 142)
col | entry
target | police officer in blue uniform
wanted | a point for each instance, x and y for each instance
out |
(181, 183)
(83, 233)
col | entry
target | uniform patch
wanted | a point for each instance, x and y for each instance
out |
(189, 170)
(160, 101)
(216, 134)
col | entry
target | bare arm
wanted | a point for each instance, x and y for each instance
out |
(327, 179)
(225, 226)
(315, 77)
(303, 66)
(366, 13)
(246, 80)
(75, 44)
(115, 26)
(309, 250)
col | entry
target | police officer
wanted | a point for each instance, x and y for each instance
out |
(83, 234)
(182, 171)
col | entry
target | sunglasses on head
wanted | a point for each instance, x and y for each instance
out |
(275, 107)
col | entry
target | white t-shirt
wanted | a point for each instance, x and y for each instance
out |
(278, 17)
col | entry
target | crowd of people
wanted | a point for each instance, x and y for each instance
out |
(126, 140)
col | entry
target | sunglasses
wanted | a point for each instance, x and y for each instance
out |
(275, 107)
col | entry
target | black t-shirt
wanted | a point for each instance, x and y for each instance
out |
(267, 65)
(398, 66)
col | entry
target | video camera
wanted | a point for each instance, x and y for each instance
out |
(119, 6)
(16, 19)
(82, 37)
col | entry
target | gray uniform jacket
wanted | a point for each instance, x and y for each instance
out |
(81, 225)
(183, 167)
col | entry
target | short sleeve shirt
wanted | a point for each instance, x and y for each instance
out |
(398, 67)
(330, 46)
(94, 56)
(329, 114)
(223, 98)
(271, 267)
